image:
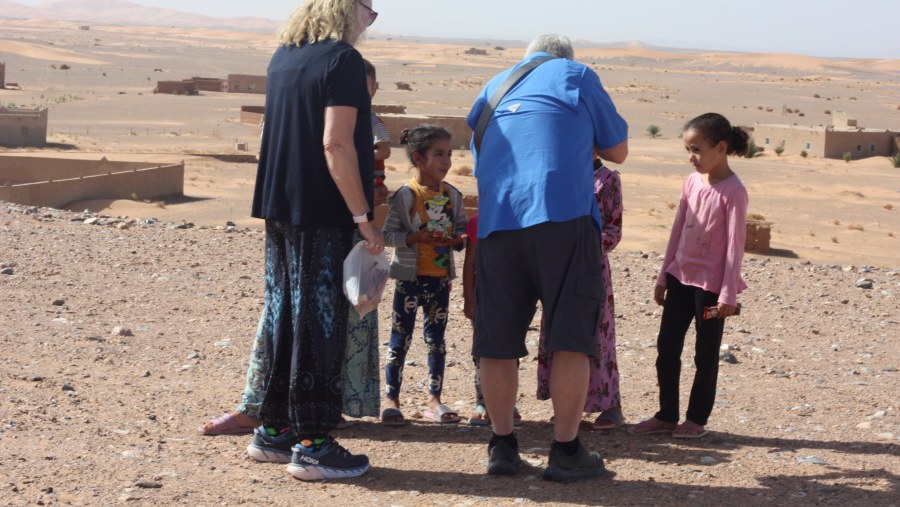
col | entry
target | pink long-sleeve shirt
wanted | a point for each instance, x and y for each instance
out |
(706, 245)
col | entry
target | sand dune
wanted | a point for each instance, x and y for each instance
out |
(39, 52)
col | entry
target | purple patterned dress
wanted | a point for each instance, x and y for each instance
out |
(603, 391)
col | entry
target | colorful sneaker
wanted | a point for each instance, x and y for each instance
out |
(503, 458)
(271, 448)
(327, 461)
(566, 468)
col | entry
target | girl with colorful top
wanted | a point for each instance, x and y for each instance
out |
(426, 221)
(702, 268)
(603, 391)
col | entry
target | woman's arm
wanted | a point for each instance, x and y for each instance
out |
(343, 165)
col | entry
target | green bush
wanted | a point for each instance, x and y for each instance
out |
(895, 160)
(848, 156)
(752, 149)
(654, 131)
(779, 149)
(804, 154)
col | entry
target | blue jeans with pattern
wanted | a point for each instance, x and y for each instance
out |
(433, 295)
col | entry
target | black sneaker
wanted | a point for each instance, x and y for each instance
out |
(503, 458)
(329, 461)
(271, 448)
(566, 468)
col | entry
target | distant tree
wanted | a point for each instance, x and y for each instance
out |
(848, 156)
(654, 131)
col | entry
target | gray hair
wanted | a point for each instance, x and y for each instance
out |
(557, 45)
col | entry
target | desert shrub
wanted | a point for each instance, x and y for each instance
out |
(848, 156)
(895, 160)
(463, 170)
(756, 216)
(889, 207)
(64, 67)
(804, 154)
(654, 131)
(855, 227)
(834, 239)
(752, 149)
(779, 149)
(828, 112)
(499, 48)
(475, 51)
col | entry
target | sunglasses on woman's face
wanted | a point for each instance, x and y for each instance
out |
(372, 14)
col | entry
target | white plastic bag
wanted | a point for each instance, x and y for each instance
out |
(364, 278)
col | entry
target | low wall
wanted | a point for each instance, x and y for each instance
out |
(456, 125)
(252, 115)
(759, 235)
(55, 183)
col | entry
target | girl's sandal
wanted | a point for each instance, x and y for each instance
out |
(653, 426)
(689, 430)
(480, 417)
(609, 420)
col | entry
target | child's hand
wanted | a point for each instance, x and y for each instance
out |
(469, 307)
(724, 310)
(457, 240)
(420, 236)
(659, 295)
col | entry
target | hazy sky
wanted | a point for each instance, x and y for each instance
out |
(865, 28)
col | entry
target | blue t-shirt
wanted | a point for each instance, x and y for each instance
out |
(536, 160)
(293, 183)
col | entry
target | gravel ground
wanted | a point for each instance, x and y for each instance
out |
(120, 336)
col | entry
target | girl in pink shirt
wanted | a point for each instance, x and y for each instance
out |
(702, 268)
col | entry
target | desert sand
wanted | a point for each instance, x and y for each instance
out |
(807, 415)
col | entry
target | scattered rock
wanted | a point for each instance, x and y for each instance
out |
(59, 302)
(122, 331)
(811, 459)
(36, 378)
(6, 271)
(728, 357)
(147, 485)
(865, 283)
(193, 355)
(708, 460)
(67, 387)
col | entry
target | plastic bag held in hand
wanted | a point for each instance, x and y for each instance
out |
(365, 275)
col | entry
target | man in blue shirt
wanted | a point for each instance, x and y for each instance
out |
(539, 239)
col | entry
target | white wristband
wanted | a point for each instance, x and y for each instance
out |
(361, 219)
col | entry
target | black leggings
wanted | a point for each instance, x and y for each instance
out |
(683, 304)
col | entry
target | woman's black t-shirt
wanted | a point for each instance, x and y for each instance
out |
(292, 182)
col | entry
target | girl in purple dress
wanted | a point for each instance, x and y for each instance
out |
(603, 391)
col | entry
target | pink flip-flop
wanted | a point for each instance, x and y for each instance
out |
(651, 427)
(442, 414)
(225, 424)
(696, 431)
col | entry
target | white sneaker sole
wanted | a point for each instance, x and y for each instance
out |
(267, 456)
(317, 473)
